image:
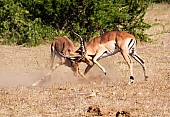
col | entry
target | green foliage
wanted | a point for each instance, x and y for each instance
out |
(17, 28)
(31, 22)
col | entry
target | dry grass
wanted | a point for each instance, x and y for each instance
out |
(67, 96)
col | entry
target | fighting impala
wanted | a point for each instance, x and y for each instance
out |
(64, 45)
(109, 44)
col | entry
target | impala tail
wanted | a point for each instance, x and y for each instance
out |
(52, 54)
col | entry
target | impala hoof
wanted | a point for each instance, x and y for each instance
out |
(93, 83)
(75, 74)
(146, 78)
(35, 84)
(131, 80)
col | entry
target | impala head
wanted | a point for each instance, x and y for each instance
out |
(78, 55)
(72, 58)
(64, 49)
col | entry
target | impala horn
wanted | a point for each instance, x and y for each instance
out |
(76, 57)
(82, 50)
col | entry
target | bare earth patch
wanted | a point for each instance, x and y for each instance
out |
(64, 95)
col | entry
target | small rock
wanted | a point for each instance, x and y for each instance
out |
(123, 114)
(97, 110)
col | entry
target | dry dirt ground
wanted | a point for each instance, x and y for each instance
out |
(64, 95)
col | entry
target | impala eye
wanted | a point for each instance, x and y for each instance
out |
(69, 50)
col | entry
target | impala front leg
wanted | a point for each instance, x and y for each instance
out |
(98, 55)
(88, 60)
(88, 68)
(83, 76)
(102, 68)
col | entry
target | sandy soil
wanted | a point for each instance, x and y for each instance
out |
(66, 95)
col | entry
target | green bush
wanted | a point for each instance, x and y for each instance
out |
(32, 22)
(17, 28)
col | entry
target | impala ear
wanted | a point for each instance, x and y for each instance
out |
(62, 50)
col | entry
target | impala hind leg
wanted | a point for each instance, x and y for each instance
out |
(52, 59)
(142, 63)
(48, 75)
(127, 58)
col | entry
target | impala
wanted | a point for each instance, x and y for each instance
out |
(109, 44)
(64, 45)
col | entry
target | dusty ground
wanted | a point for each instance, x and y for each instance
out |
(68, 96)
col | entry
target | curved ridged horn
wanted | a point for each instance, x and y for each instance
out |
(82, 45)
(76, 57)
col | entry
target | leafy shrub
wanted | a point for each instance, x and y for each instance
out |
(31, 22)
(17, 28)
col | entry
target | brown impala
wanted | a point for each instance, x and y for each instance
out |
(64, 45)
(109, 44)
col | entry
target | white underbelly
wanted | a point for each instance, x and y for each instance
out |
(110, 52)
